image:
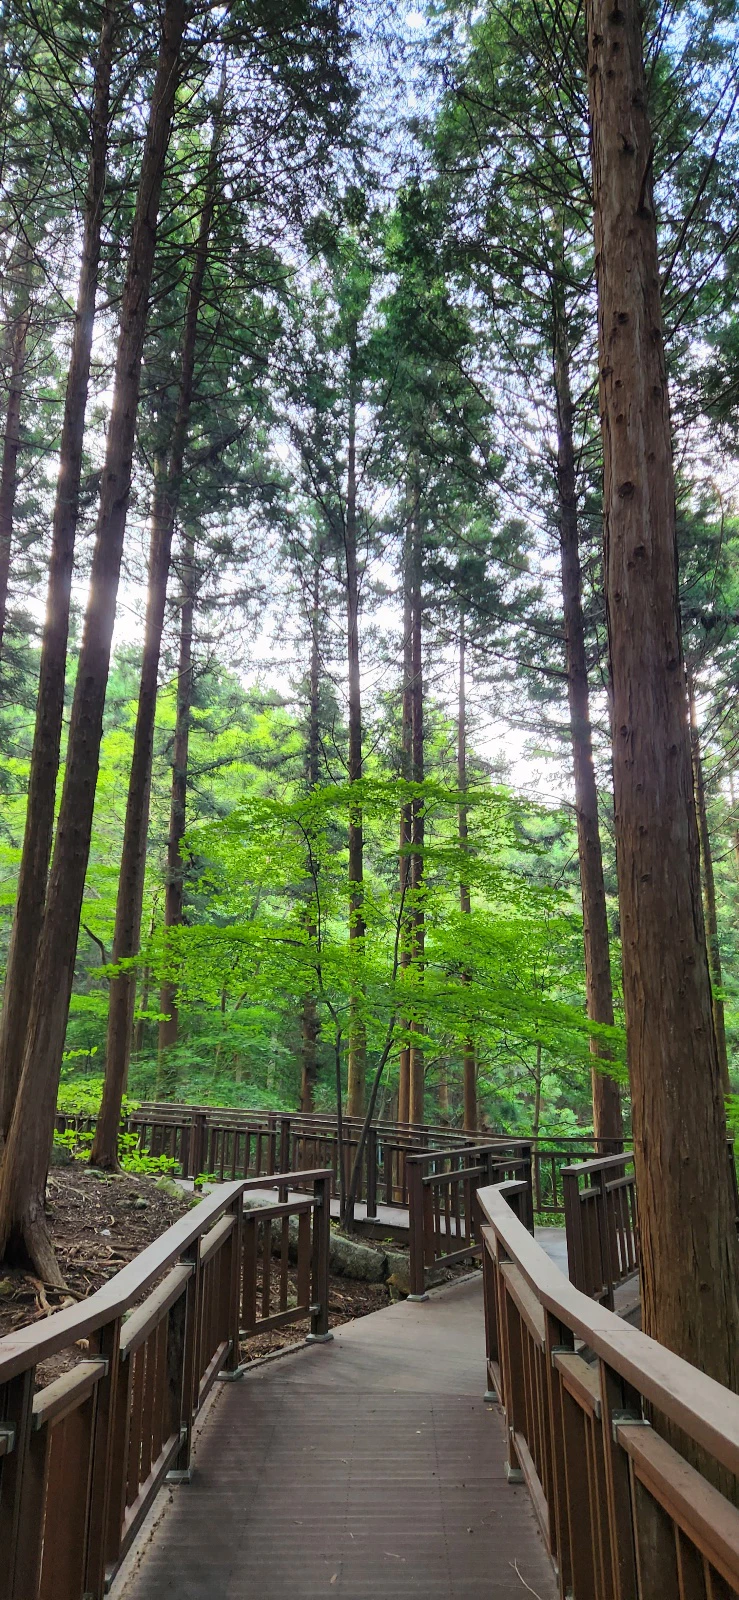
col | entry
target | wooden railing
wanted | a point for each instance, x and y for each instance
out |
(601, 1224)
(444, 1219)
(626, 1516)
(82, 1458)
(233, 1143)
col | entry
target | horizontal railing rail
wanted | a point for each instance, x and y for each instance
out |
(443, 1214)
(83, 1457)
(601, 1225)
(609, 1431)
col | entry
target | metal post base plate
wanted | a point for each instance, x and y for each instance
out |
(231, 1377)
(318, 1338)
(417, 1297)
(513, 1474)
(179, 1475)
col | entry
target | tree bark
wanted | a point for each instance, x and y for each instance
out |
(175, 885)
(309, 1021)
(416, 1070)
(688, 1239)
(406, 758)
(357, 1053)
(39, 825)
(18, 338)
(469, 1072)
(709, 892)
(23, 1230)
(607, 1120)
(129, 904)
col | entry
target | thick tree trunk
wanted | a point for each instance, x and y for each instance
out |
(607, 1121)
(167, 485)
(175, 886)
(357, 1053)
(469, 1073)
(18, 339)
(689, 1251)
(310, 1026)
(709, 892)
(23, 1230)
(406, 757)
(416, 1074)
(39, 826)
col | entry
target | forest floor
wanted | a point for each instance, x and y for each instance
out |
(99, 1222)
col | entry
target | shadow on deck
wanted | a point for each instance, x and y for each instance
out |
(367, 1467)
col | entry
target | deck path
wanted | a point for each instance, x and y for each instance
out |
(368, 1468)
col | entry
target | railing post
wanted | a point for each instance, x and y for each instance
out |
(190, 1373)
(599, 1182)
(414, 1179)
(17, 1402)
(233, 1368)
(197, 1143)
(319, 1328)
(491, 1318)
(527, 1208)
(573, 1227)
(107, 1343)
(284, 1156)
(370, 1156)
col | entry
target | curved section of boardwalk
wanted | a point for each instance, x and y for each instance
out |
(368, 1468)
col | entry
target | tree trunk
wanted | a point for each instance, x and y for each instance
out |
(18, 338)
(357, 1054)
(406, 757)
(689, 1251)
(607, 1120)
(167, 485)
(309, 1022)
(416, 1073)
(174, 891)
(709, 892)
(39, 826)
(23, 1230)
(444, 1091)
(469, 1074)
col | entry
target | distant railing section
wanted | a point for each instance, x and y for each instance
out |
(235, 1143)
(444, 1219)
(82, 1458)
(625, 1514)
(601, 1224)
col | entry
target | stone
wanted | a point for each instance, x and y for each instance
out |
(61, 1156)
(169, 1187)
(350, 1259)
(398, 1271)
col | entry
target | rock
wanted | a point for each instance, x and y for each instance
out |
(61, 1156)
(6, 1287)
(349, 1259)
(97, 1172)
(139, 1204)
(169, 1187)
(398, 1271)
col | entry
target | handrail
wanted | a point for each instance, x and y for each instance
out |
(84, 1457)
(687, 1397)
(631, 1456)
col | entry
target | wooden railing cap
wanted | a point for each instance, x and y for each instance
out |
(707, 1411)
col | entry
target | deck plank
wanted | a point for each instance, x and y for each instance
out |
(368, 1469)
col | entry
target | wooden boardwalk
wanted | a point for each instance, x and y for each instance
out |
(369, 1468)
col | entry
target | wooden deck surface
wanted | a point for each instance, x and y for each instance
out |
(368, 1468)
